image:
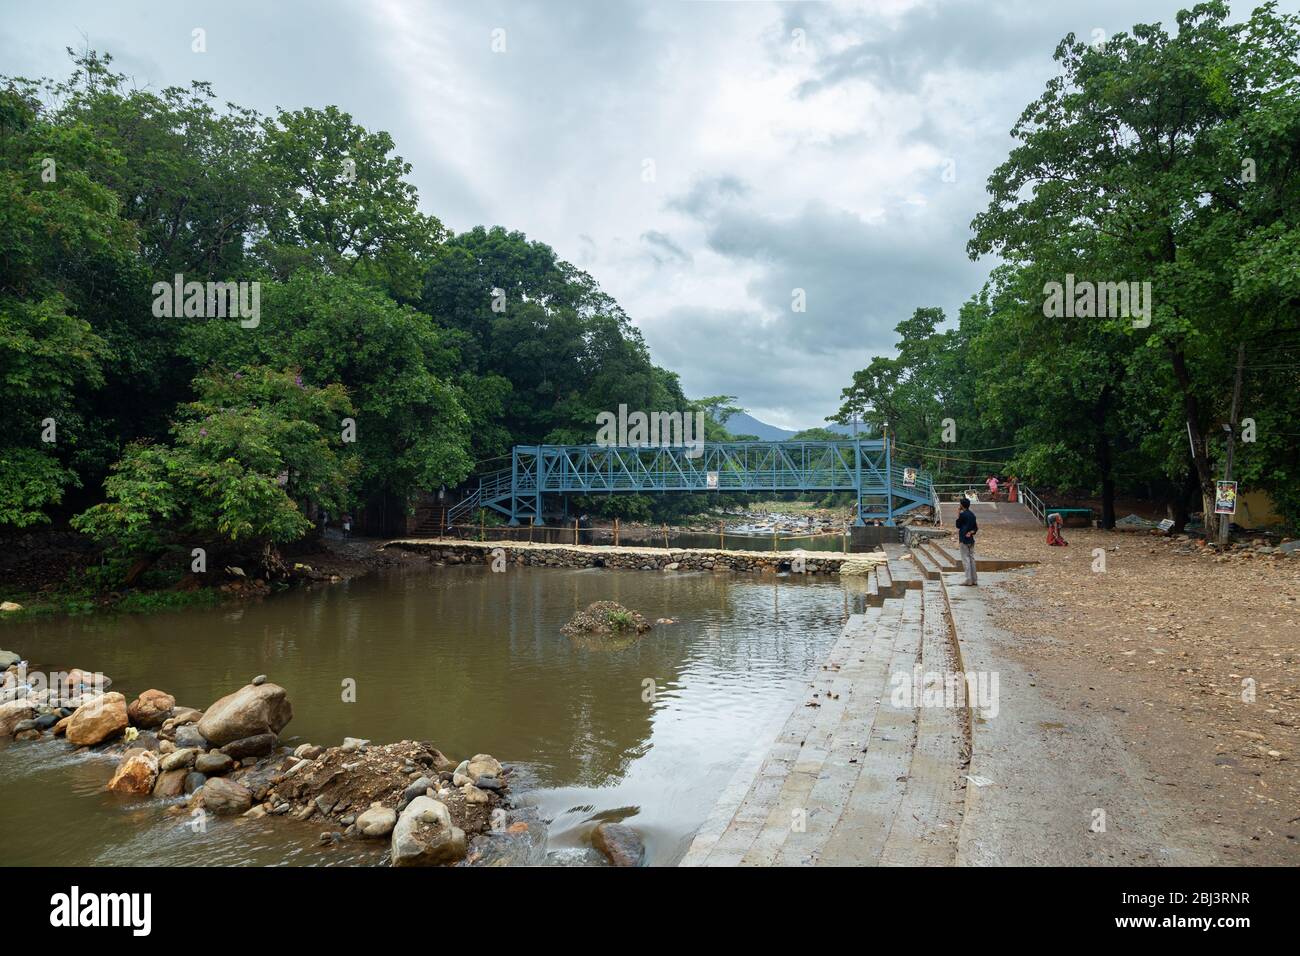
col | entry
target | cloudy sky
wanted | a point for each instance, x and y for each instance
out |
(702, 160)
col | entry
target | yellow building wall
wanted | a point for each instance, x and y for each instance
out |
(1255, 510)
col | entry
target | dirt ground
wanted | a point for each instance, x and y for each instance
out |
(1173, 639)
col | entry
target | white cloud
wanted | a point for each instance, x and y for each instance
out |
(774, 167)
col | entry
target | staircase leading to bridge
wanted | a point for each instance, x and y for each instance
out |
(884, 488)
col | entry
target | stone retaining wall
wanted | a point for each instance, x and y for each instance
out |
(639, 559)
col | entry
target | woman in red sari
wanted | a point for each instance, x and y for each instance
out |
(1054, 532)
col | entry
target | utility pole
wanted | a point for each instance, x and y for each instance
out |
(1225, 521)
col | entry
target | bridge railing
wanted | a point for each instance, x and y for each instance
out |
(491, 487)
(921, 486)
(1034, 503)
(954, 488)
(755, 467)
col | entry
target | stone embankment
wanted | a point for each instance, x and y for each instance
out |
(451, 551)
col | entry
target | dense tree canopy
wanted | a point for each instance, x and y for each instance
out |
(1155, 158)
(386, 358)
(251, 446)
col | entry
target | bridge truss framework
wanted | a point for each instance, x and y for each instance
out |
(883, 489)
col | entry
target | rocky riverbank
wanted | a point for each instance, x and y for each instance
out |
(408, 800)
(227, 760)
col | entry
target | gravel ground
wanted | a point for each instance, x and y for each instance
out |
(1172, 639)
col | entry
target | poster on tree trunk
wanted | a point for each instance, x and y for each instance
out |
(1225, 497)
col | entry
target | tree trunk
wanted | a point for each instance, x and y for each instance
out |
(1106, 464)
(138, 569)
(1181, 511)
(1192, 415)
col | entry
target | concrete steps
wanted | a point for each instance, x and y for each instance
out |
(952, 554)
(860, 778)
(940, 557)
(893, 578)
(885, 581)
(925, 830)
(929, 567)
(827, 764)
(864, 822)
(902, 568)
(755, 810)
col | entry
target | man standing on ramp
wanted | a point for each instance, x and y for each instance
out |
(966, 528)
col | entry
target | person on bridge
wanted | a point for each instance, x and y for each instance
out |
(967, 526)
(993, 487)
(1054, 531)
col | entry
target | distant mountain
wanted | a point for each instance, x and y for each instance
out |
(745, 424)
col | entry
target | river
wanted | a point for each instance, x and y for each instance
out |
(648, 733)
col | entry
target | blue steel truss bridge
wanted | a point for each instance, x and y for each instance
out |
(883, 489)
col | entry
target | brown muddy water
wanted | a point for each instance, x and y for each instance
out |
(470, 660)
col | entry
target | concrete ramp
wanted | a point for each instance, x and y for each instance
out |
(1003, 514)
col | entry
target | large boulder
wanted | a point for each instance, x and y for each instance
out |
(151, 708)
(136, 773)
(253, 709)
(12, 713)
(225, 797)
(378, 821)
(214, 764)
(97, 720)
(481, 765)
(187, 737)
(258, 746)
(170, 783)
(8, 659)
(424, 835)
(621, 844)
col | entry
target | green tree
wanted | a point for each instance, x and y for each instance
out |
(1168, 159)
(58, 226)
(412, 431)
(817, 434)
(344, 203)
(246, 458)
(527, 317)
